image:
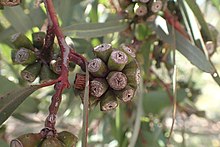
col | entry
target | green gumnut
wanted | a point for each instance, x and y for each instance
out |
(108, 101)
(103, 51)
(67, 138)
(46, 74)
(117, 60)
(27, 140)
(38, 39)
(20, 40)
(140, 9)
(31, 71)
(155, 5)
(23, 56)
(132, 71)
(117, 80)
(52, 142)
(98, 87)
(129, 52)
(97, 68)
(125, 94)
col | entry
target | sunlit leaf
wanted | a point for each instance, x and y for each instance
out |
(11, 100)
(191, 52)
(18, 19)
(197, 12)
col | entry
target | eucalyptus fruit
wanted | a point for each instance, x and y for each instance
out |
(27, 140)
(61, 139)
(38, 63)
(114, 75)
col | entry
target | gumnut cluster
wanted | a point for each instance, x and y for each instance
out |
(62, 139)
(146, 9)
(40, 59)
(114, 75)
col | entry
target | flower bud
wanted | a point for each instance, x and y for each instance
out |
(27, 140)
(117, 60)
(140, 9)
(98, 87)
(67, 138)
(155, 5)
(108, 101)
(31, 71)
(103, 51)
(133, 73)
(52, 142)
(117, 80)
(38, 39)
(20, 40)
(125, 94)
(46, 74)
(97, 68)
(23, 56)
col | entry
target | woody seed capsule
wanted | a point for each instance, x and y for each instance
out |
(117, 80)
(103, 51)
(108, 101)
(20, 40)
(117, 60)
(97, 68)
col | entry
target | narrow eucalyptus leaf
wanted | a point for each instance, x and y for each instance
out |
(10, 101)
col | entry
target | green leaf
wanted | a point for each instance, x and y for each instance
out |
(10, 101)
(197, 12)
(155, 101)
(191, 52)
(66, 9)
(20, 21)
(89, 30)
(6, 85)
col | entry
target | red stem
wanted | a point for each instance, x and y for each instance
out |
(66, 53)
